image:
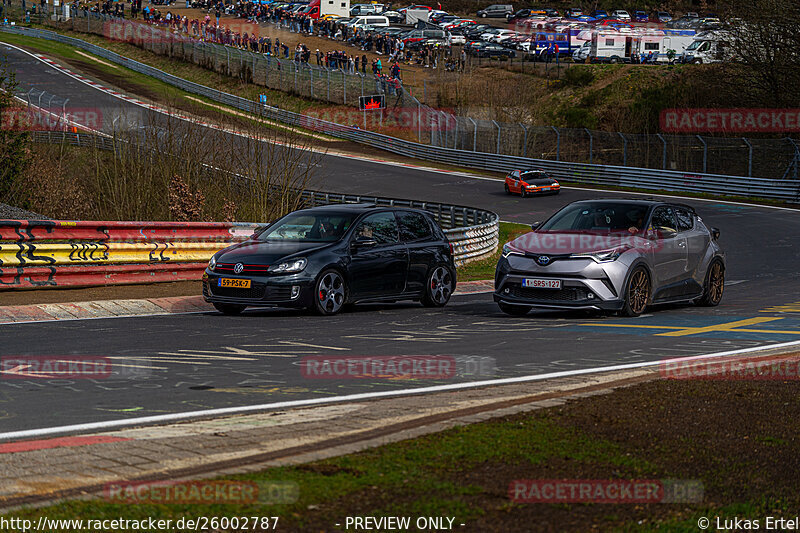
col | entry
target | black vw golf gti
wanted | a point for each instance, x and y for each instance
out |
(325, 257)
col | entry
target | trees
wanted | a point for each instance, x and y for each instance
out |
(765, 39)
(14, 153)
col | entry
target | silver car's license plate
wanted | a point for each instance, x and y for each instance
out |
(542, 283)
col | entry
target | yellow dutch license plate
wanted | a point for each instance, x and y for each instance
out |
(234, 283)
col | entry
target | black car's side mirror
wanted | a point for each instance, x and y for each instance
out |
(715, 233)
(364, 242)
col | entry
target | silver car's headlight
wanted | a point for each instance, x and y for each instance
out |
(602, 256)
(212, 264)
(508, 250)
(287, 267)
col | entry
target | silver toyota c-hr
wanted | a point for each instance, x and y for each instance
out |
(612, 255)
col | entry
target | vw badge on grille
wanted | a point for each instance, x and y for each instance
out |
(238, 267)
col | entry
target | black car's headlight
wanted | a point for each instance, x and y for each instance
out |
(212, 264)
(287, 267)
(509, 250)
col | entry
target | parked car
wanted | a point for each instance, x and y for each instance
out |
(484, 49)
(600, 13)
(531, 182)
(661, 16)
(621, 14)
(551, 12)
(455, 38)
(496, 11)
(366, 9)
(325, 257)
(640, 16)
(573, 13)
(612, 255)
(394, 17)
(521, 14)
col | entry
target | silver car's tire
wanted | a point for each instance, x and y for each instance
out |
(714, 285)
(330, 294)
(637, 292)
(439, 287)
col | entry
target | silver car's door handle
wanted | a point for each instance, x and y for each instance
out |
(682, 244)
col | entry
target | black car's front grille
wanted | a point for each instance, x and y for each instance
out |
(257, 291)
(228, 268)
(565, 294)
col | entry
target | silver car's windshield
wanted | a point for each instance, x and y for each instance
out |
(598, 217)
(308, 228)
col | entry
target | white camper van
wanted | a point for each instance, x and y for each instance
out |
(708, 47)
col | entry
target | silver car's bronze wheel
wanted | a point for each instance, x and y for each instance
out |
(638, 294)
(714, 286)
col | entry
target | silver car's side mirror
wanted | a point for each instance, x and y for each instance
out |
(535, 225)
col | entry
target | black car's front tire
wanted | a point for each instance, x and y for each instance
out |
(330, 292)
(229, 309)
(514, 310)
(439, 287)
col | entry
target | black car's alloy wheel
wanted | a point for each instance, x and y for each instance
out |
(638, 294)
(714, 286)
(331, 293)
(439, 287)
(229, 309)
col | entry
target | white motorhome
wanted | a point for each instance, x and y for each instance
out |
(604, 47)
(708, 47)
(617, 46)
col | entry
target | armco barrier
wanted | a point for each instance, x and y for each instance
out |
(602, 175)
(37, 254)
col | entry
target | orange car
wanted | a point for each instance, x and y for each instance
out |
(530, 182)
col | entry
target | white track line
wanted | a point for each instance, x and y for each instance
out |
(157, 419)
(132, 100)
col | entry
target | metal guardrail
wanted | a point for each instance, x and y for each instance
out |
(48, 253)
(601, 175)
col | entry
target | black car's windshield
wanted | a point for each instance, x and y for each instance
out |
(598, 217)
(322, 227)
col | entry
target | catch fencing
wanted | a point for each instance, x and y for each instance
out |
(739, 156)
(782, 189)
(56, 253)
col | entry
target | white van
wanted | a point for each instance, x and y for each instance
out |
(361, 22)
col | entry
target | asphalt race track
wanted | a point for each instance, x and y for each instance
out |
(190, 362)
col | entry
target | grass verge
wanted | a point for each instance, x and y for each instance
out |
(737, 438)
